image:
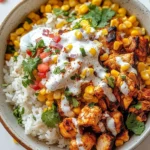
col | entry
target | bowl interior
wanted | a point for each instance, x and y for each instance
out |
(11, 22)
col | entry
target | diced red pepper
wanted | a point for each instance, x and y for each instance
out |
(42, 75)
(29, 52)
(57, 38)
(43, 68)
(51, 36)
(41, 85)
(35, 86)
(44, 55)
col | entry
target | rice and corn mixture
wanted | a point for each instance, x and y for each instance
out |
(78, 74)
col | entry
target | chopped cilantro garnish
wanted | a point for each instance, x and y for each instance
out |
(71, 19)
(123, 77)
(59, 12)
(40, 44)
(18, 112)
(134, 125)
(28, 20)
(51, 117)
(76, 26)
(82, 50)
(32, 49)
(34, 117)
(137, 106)
(75, 102)
(28, 67)
(15, 58)
(57, 51)
(47, 50)
(91, 105)
(10, 49)
(76, 76)
(111, 81)
(58, 70)
(4, 85)
(97, 17)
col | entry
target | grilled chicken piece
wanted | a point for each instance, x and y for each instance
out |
(142, 117)
(88, 140)
(102, 104)
(98, 92)
(105, 142)
(99, 128)
(112, 105)
(126, 101)
(122, 138)
(67, 128)
(118, 119)
(144, 94)
(89, 116)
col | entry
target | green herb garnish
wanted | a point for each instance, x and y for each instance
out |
(15, 58)
(40, 44)
(32, 49)
(123, 77)
(111, 81)
(34, 117)
(134, 125)
(57, 51)
(91, 105)
(76, 76)
(58, 70)
(47, 50)
(26, 81)
(4, 85)
(137, 106)
(51, 117)
(75, 102)
(76, 26)
(59, 12)
(28, 20)
(18, 112)
(71, 19)
(99, 17)
(82, 50)
(10, 49)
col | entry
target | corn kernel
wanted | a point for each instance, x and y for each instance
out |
(88, 97)
(96, 2)
(73, 3)
(48, 8)
(77, 8)
(104, 32)
(141, 66)
(89, 89)
(88, 30)
(8, 56)
(57, 95)
(16, 43)
(115, 7)
(78, 35)
(84, 24)
(114, 22)
(107, 3)
(82, 1)
(61, 24)
(65, 7)
(104, 57)
(122, 11)
(147, 82)
(117, 45)
(90, 71)
(53, 2)
(65, 2)
(13, 36)
(49, 103)
(92, 51)
(83, 74)
(132, 19)
(135, 33)
(128, 24)
(43, 91)
(77, 110)
(135, 24)
(115, 73)
(16, 54)
(20, 31)
(27, 26)
(126, 42)
(42, 8)
(145, 75)
(143, 31)
(54, 59)
(31, 15)
(83, 9)
(119, 143)
(41, 98)
(125, 67)
(49, 96)
(69, 47)
(122, 27)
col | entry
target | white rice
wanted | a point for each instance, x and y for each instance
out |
(17, 94)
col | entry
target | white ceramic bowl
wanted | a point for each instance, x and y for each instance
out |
(10, 23)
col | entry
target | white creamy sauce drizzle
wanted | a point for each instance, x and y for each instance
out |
(110, 124)
(122, 63)
(108, 92)
(101, 126)
(78, 136)
(66, 108)
(124, 88)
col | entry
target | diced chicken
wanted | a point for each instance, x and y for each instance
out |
(98, 92)
(142, 117)
(89, 116)
(99, 128)
(102, 104)
(67, 128)
(88, 141)
(122, 138)
(112, 105)
(105, 142)
(144, 94)
(126, 101)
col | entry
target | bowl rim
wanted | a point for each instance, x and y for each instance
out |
(1, 118)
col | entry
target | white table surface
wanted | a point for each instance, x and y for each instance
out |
(6, 141)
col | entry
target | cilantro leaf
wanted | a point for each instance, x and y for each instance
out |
(57, 70)
(134, 125)
(40, 44)
(47, 50)
(59, 12)
(76, 76)
(75, 102)
(28, 20)
(18, 112)
(111, 81)
(76, 26)
(91, 105)
(82, 50)
(51, 117)
(26, 81)
(137, 106)
(106, 15)
(123, 77)
(71, 19)
(32, 49)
